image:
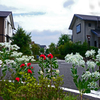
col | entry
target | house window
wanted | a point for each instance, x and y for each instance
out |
(89, 24)
(95, 43)
(78, 28)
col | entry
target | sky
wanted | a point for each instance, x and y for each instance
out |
(48, 19)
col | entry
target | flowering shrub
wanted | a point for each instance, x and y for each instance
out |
(49, 66)
(88, 80)
(11, 59)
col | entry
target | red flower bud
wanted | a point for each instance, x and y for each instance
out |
(22, 65)
(29, 71)
(43, 56)
(50, 56)
(17, 79)
(28, 64)
(32, 67)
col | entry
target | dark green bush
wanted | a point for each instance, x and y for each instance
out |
(70, 47)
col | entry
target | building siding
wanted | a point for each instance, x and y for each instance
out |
(1, 29)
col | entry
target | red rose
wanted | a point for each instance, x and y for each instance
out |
(28, 64)
(43, 56)
(29, 71)
(17, 79)
(32, 67)
(22, 65)
(50, 56)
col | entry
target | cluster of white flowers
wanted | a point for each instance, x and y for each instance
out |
(16, 54)
(25, 58)
(86, 75)
(95, 74)
(14, 47)
(6, 44)
(8, 61)
(98, 56)
(90, 53)
(91, 64)
(92, 84)
(76, 59)
(1, 52)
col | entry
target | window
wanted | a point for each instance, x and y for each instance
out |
(95, 43)
(89, 24)
(78, 28)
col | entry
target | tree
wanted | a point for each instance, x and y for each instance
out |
(63, 39)
(42, 50)
(23, 40)
(35, 49)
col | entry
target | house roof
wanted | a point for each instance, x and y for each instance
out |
(83, 17)
(4, 14)
(96, 32)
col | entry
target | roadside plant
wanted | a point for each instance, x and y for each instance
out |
(13, 60)
(90, 73)
(48, 66)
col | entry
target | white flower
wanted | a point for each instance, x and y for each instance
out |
(48, 70)
(99, 51)
(86, 75)
(8, 61)
(92, 84)
(0, 61)
(41, 72)
(14, 47)
(76, 59)
(16, 54)
(95, 74)
(1, 52)
(90, 53)
(57, 71)
(91, 64)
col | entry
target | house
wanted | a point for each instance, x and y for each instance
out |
(6, 26)
(86, 28)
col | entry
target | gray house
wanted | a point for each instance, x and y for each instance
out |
(86, 28)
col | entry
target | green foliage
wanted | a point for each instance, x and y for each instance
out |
(31, 90)
(22, 39)
(53, 49)
(35, 49)
(70, 47)
(63, 39)
(42, 50)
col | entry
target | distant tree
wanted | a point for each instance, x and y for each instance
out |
(23, 40)
(35, 49)
(63, 39)
(42, 50)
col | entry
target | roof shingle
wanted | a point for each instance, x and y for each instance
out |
(4, 13)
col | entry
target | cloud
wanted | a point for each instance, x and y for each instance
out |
(45, 37)
(7, 8)
(68, 3)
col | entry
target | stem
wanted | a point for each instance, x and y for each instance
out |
(81, 94)
(51, 71)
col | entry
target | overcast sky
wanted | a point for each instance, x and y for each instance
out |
(48, 19)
